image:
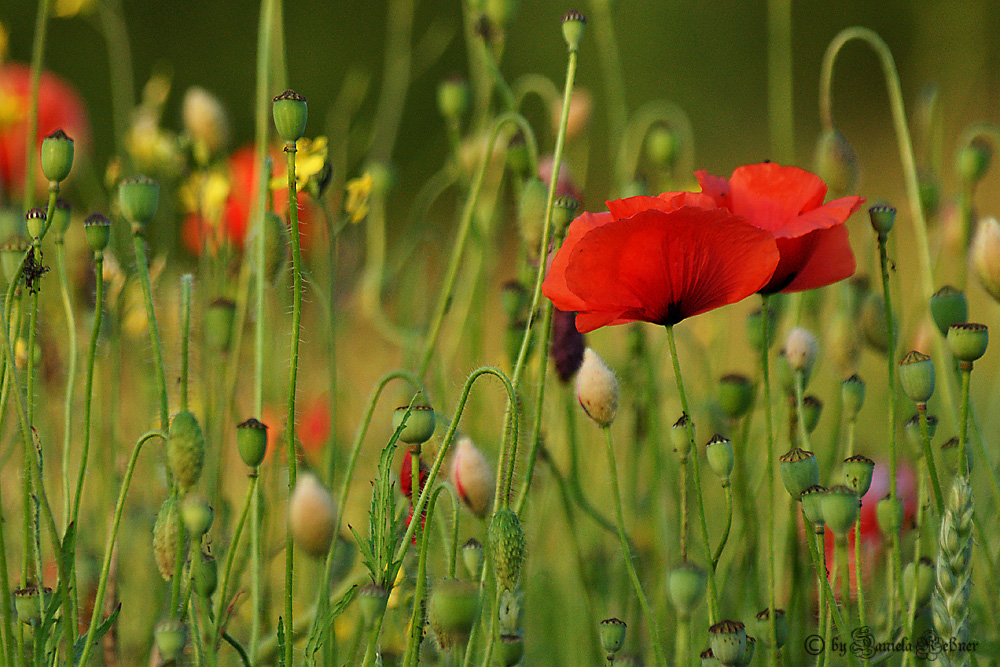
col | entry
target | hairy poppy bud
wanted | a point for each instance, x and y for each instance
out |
(968, 341)
(471, 476)
(251, 440)
(507, 547)
(835, 162)
(185, 449)
(26, 602)
(531, 213)
(57, 156)
(290, 114)
(563, 209)
(949, 306)
(372, 599)
(170, 636)
(729, 642)
(166, 534)
(206, 574)
(597, 389)
(138, 198)
(916, 374)
(812, 410)
(452, 610)
(312, 515)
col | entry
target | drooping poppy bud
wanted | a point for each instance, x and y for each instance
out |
(472, 477)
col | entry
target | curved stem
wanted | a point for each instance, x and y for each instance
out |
(925, 441)
(630, 150)
(102, 583)
(654, 630)
(713, 599)
(729, 523)
(67, 303)
(231, 556)
(31, 141)
(536, 428)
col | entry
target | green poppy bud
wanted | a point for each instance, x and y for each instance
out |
(852, 393)
(170, 636)
(687, 587)
(57, 156)
(973, 160)
(761, 626)
(812, 410)
(138, 198)
(748, 654)
(185, 449)
(799, 470)
(812, 505)
(890, 512)
(167, 532)
(563, 210)
(968, 341)
(923, 579)
(873, 319)
(858, 472)
(883, 217)
(612, 631)
(661, 146)
(949, 306)
(453, 98)
(729, 642)
(840, 509)
(26, 603)
(916, 375)
(708, 659)
(206, 574)
(219, 324)
(836, 162)
(572, 27)
(507, 544)
(517, 155)
(35, 222)
(290, 114)
(372, 599)
(60, 219)
(735, 394)
(472, 556)
(11, 254)
(510, 649)
(197, 516)
(251, 440)
(419, 424)
(679, 436)
(719, 452)
(452, 610)
(531, 213)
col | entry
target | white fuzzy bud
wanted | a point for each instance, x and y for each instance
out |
(801, 349)
(312, 515)
(472, 477)
(597, 389)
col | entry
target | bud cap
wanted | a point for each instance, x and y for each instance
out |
(290, 115)
(57, 156)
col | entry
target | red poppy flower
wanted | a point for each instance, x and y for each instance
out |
(59, 107)
(198, 232)
(657, 259)
(788, 203)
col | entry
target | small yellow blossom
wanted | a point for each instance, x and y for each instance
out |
(70, 8)
(310, 159)
(358, 191)
(205, 193)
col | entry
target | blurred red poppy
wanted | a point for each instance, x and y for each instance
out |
(788, 203)
(406, 476)
(59, 107)
(197, 232)
(657, 259)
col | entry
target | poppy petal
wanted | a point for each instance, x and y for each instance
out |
(831, 260)
(668, 201)
(771, 196)
(554, 286)
(835, 213)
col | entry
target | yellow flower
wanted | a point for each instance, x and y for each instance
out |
(205, 193)
(68, 8)
(358, 191)
(310, 158)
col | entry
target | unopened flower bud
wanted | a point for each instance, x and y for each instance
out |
(679, 436)
(138, 198)
(573, 22)
(735, 394)
(799, 470)
(801, 349)
(507, 545)
(452, 610)
(290, 114)
(968, 341)
(453, 98)
(472, 478)
(372, 599)
(890, 511)
(205, 119)
(858, 471)
(197, 516)
(812, 410)
(185, 449)
(472, 556)
(812, 505)
(883, 217)
(219, 324)
(170, 636)
(312, 515)
(206, 574)
(661, 146)
(973, 160)
(916, 375)
(167, 532)
(60, 219)
(922, 579)
(251, 440)
(719, 452)
(852, 393)
(35, 222)
(836, 162)
(612, 631)
(949, 306)
(597, 389)
(840, 509)
(687, 587)
(57, 156)
(761, 626)
(510, 649)
(419, 425)
(729, 642)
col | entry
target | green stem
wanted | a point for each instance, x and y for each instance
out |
(630, 151)
(31, 142)
(102, 583)
(800, 410)
(142, 267)
(862, 612)
(654, 630)
(918, 520)
(570, 405)
(729, 523)
(186, 281)
(765, 322)
(844, 576)
(231, 556)
(70, 374)
(536, 428)
(611, 68)
(418, 615)
(963, 423)
(779, 80)
(713, 598)
(925, 441)
(682, 650)
(817, 541)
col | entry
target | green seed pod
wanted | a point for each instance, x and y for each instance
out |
(26, 603)
(873, 321)
(916, 375)
(290, 114)
(11, 254)
(748, 654)
(679, 436)
(531, 213)
(98, 231)
(890, 512)
(185, 449)
(510, 649)
(708, 659)
(973, 160)
(761, 626)
(452, 611)
(729, 642)
(735, 394)
(923, 580)
(372, 599)
(57, 156)
(563, 210)
(197, 516)
(206, 574)
(840, 509)
(799, 470)
(507, 547)
(472, 556)
(453, 98)
(572, 27)
(719, 452)
(170, 635)
(968, 341)
(812, 410)
(60, 219)
(852, 393)
(251, 440)
(949, 306)
(883, 217)
(35, 222)
(812, 505)
(138, 198)
(836, 162)
(687, 587)
(612, 631)
(219, 324)
(166, 534)
(661, 146)
(419, 425)
(858, 472)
